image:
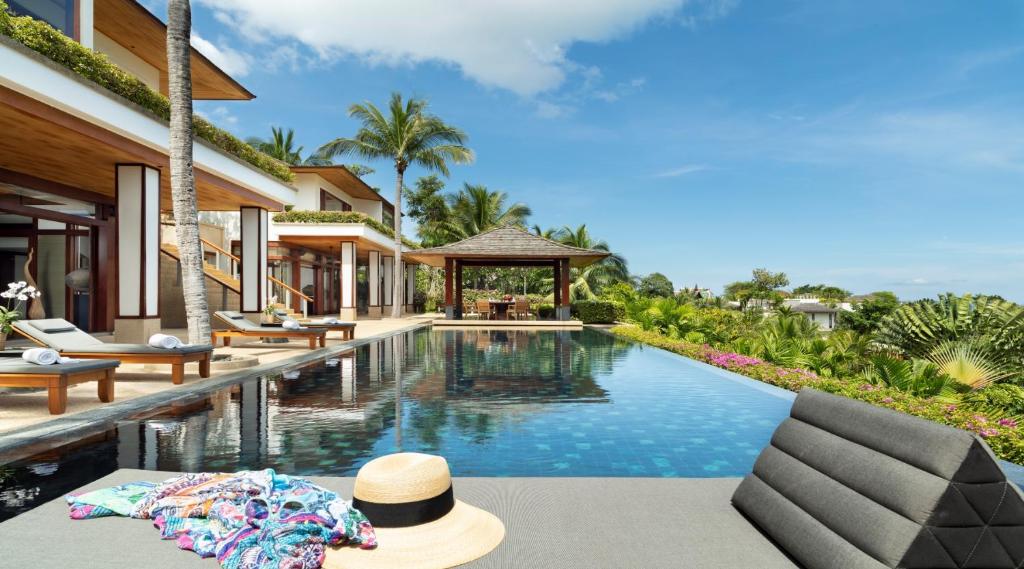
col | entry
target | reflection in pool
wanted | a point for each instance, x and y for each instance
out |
(495, 403)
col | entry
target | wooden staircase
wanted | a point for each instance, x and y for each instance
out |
(227, 281)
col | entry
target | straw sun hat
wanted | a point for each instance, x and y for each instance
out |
(419, 524)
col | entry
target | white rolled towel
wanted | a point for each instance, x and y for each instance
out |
(164, 341)
(330, 320)
(290, 325)
(41, 356)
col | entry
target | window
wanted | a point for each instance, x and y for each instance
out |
(58, 13)
(329, 202)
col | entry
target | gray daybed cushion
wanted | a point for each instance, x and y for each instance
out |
(239, 322)
(104, 348)
(18, 366)
(51, 333)
(848, 484)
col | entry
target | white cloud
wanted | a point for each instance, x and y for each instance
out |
(219, 115)
(681, 171)
(520, 45)
(549, 110)
(232, 61)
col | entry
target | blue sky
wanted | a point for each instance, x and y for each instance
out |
(870, 145)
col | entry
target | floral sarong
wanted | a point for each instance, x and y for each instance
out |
(248, 520)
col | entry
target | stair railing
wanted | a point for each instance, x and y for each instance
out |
(220, 252)
(234, 262)
(304, 298)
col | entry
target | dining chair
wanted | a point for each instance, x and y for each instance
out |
(522, 308)
(469, 312)
(483, 306)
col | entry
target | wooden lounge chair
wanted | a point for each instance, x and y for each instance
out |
(15, 372)
(70, 341)
(243, 328)
(347, 329)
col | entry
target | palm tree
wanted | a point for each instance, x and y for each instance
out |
(183, 183)
(589, 280)
(360, 170)
(281, 145)
(549, 233)
(408, 136)
(476, 209)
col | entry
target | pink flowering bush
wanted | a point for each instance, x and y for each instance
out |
(1004, 435)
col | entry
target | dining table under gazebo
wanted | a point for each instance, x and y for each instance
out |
(506, 246)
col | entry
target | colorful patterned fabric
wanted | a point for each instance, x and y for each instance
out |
(249, 520)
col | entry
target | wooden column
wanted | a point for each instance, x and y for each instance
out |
(137, 195)
(556, 269)
(253, 264)
(449, 311)
(104, 300)
(458, 290)
(373, 272)
(347, 284)
(563, 310)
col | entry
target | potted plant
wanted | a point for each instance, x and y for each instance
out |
(268, 311)
(17, 294)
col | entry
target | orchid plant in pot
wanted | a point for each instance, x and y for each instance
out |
(17, 294)
(268, 311)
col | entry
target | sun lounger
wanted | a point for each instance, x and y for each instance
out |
(847, 484)
(72, 342)
(15, 372)
(347, 329)
(241, 327)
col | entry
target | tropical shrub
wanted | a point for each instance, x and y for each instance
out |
(45, 40)
(868, 313)
(545, 311)
(980, 338)
(598, 311)
(1007, 397)
(999, 428)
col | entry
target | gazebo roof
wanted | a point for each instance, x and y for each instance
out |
(507, 244)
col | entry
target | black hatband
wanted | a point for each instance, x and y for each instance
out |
(407, 513)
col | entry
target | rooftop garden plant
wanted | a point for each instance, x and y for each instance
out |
(47, 41)
(317, 216)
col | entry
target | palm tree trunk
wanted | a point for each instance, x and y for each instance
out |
(396, 279)
(183, 183)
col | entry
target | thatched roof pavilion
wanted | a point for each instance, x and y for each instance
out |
(505, 247)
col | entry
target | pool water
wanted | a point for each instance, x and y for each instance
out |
(494, 403)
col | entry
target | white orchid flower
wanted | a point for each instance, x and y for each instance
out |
(22, 297)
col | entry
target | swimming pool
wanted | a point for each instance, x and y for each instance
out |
(495, 403)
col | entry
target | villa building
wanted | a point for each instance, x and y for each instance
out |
(85, 192)
(825, 315)
(343, 262)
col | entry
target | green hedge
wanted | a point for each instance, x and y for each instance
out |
(316, 216)
(546, 311)
(52, 44)
(1002, 434)
(598, 311)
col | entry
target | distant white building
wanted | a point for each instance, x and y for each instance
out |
(824, 315)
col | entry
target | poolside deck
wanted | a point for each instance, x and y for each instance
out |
(550, 522)
(21, 410)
